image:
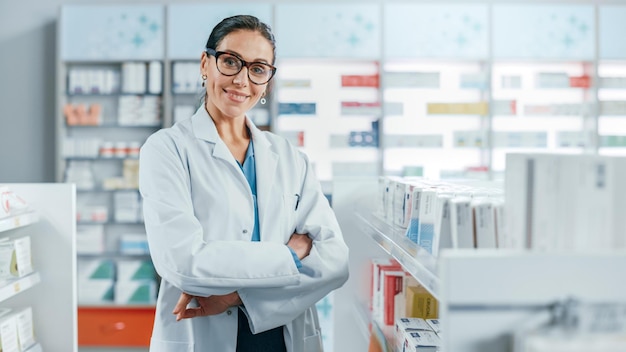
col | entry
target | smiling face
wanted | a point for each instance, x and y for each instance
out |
(230, 97)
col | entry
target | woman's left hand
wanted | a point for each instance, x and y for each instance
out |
(211, 305)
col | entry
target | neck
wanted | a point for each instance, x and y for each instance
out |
(230, 130)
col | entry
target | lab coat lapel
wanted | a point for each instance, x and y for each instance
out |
(204, 128)
(266, 163)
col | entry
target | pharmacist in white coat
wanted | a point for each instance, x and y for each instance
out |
(238, 227)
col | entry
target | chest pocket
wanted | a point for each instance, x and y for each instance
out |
(291, 202)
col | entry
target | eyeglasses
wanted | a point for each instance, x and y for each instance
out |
(229, 65)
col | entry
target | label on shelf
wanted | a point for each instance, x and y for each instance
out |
(480, 108)
(413, 141)
(294, 83)
(470, 139)
(612, 141)
(296, 108)
(511, 82)
(572, 109)
(538, 139)
(552, 80)
(612, 82)
(360, 108)
(583, 81)
(504, 107)
(412, 80)
(360, 81)
(567, 139)
(394, 108)
(474, 81)
(613, 107)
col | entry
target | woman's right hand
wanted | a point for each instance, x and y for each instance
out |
(301, 244)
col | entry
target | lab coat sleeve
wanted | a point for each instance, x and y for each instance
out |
(175, 235)
(324, 269)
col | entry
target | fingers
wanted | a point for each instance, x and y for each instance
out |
(182, 303)
(189, 313)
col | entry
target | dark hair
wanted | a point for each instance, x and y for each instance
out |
(240, 22)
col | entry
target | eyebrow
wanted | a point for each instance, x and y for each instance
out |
(260, 60)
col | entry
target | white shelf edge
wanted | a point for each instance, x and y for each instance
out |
(414, 259)
(11, 288)
(19, 220)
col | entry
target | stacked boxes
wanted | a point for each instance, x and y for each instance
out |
(415, 334)
(437, 215)
(105, 281)
(565, 202)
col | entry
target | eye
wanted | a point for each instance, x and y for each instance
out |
(258, 69)
(230, 61)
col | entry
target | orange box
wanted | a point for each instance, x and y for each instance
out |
(115, 326)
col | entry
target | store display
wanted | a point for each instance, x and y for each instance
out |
(471, 83)
(35, 253)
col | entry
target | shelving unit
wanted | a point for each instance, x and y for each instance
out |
(19, 220)
(340, 131)
(49, 290)
(16, 286)
(414, 259)
(508, 292)
(112, 96)
(477, 51)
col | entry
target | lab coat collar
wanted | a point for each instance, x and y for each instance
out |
(204, 128)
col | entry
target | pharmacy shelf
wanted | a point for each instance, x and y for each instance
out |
(19, 220)
(13, 287)
(414, 259)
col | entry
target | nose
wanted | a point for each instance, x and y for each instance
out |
(241, 78)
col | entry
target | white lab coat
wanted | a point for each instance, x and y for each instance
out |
(199, 218)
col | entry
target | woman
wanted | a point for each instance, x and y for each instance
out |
(238, 227)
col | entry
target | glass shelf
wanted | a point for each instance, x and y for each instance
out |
(414, 259)
(12, 287)
(19, 220)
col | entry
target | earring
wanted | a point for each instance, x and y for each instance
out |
(204, 77)
(263, 101)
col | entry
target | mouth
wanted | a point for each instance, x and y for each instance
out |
(236, 96)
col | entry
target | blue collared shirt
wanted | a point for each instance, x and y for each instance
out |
(249, 171)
